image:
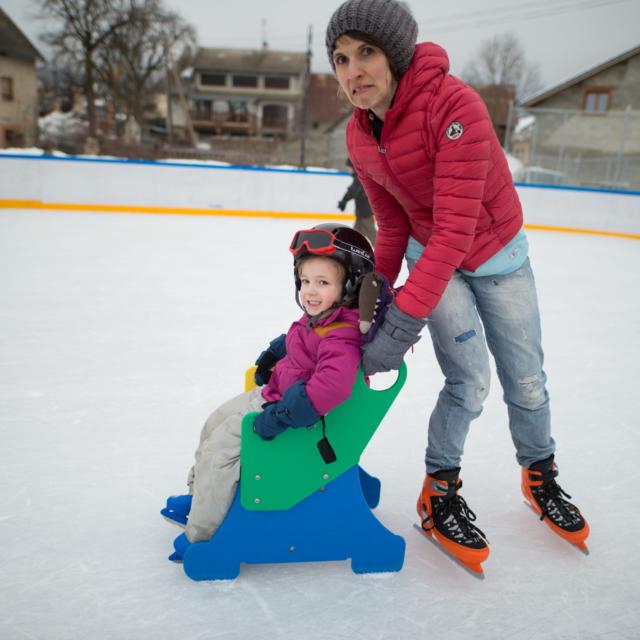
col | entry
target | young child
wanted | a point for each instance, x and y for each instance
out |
(316, 365)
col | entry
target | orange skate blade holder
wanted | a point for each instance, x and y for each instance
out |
(577, 541)
(472, 568)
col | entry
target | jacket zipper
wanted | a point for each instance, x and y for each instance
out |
(383, 151)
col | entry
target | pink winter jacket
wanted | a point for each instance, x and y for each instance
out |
(439, 175)
(326, 358)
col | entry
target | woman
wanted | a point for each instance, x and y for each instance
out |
(424, 148)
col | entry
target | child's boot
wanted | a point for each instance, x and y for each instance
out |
(545, 496)
(446, 516)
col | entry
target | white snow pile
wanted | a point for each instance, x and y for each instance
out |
(57, 128)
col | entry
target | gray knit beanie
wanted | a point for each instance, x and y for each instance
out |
(387, 22)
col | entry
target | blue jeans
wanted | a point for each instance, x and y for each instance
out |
(500, 312)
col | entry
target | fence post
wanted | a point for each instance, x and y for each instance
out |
(563, 142)
(617, 176)
(507, 133)
(533, 144)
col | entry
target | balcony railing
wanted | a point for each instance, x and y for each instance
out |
(237, 124)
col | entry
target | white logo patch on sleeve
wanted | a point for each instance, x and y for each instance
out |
(454, 130)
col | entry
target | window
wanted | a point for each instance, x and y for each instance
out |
(276, 82)
(245, 81)
(238, 110)
(597, 100)
(13, 138)
(213, 79)
(275, 116)
(6, 88)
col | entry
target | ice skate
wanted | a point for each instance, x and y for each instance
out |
(447, 519)
(547, 499)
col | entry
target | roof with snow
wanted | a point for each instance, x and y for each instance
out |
(547, 93)
(14, 43)
(250, 60)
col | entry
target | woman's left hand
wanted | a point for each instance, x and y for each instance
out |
(396, 335)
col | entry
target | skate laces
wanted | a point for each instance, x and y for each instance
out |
(551, 499)
(454, 513)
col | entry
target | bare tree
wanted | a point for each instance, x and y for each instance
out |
(83, 27)
(134, 56)
(501, 61)
(58, 83)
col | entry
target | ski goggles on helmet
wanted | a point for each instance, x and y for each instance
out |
(316, 241)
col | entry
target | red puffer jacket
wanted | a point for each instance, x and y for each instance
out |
(439, 175)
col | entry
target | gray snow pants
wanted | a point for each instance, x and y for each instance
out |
(213, 479)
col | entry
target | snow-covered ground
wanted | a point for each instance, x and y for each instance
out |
(120, 333)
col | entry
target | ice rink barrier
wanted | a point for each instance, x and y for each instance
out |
(82, 183)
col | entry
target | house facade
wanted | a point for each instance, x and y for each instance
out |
(242, 92)
(586, 131)
(18, 86)
(611, 86)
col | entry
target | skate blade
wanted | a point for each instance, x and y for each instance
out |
(473, 569)
(581, 546)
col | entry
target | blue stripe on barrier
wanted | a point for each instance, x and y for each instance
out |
(531, 185)
(242, 167)
(183, 165)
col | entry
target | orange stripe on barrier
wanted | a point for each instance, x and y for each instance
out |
(246, 213)
(591, 232)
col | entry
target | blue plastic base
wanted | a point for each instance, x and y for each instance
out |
(174, 517)
(177, 509)
(331, 524)
(370, 488)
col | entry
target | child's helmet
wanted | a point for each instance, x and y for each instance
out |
(339, 242)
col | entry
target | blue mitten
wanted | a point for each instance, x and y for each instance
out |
(276, 350)
(396, 334)
(266, 424)
(294, 410)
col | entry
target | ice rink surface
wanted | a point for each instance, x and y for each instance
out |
(120, 333)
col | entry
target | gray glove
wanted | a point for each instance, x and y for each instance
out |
(396, 334)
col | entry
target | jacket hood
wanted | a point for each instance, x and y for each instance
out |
(428, 68)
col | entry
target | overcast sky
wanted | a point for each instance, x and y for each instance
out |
(564, 37)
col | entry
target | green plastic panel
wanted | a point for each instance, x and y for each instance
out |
(277, 474)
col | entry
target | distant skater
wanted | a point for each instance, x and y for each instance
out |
(365, 222)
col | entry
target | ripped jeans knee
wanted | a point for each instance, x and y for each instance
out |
(530, 392)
